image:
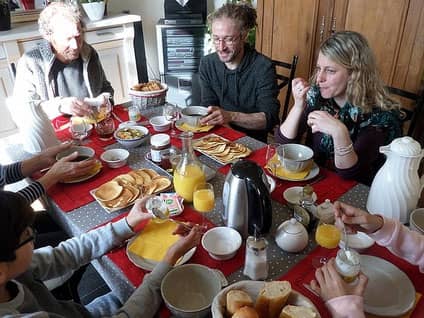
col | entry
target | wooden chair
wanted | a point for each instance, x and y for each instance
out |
(411, 114)
(284, 80)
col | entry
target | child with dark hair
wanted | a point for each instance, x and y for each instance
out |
(22, 269)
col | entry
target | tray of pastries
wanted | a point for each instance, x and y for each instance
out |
(221, 149)
(124, 189)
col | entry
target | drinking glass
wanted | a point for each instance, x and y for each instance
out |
(79, 128)
(328, 236)
(204, 199)
(171, 114)
(271, 151)
(105, 128)
(348, 264)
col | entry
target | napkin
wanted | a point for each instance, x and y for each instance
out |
(155, 239)
(187, 127)
(283, 173)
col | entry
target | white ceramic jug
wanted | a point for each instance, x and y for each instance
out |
(396, 188)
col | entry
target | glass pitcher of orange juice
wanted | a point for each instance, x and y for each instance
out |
(189, 171)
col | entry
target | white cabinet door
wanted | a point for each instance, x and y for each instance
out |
(6, 87)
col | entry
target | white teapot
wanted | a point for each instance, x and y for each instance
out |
(396, 188)
(291, 236)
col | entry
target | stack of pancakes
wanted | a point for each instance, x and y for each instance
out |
(221, 149)
(126, 188)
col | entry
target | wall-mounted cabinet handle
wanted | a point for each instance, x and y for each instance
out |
(104, 33)
(322, 29)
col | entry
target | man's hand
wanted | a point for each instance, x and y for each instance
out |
(329, 284)
(74, 106)
(217, 116)
(356, 219)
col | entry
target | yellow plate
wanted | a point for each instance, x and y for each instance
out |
(180, 125)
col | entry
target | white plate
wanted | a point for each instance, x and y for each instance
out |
(389, 291)
(253, 287)
(272, 183)
(148, 264)
(293, 194)
(358, 241)
(212, 156)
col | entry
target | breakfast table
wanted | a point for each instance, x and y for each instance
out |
(75, 209)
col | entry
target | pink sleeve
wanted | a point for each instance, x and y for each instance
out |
(348, 306)
(401, 241)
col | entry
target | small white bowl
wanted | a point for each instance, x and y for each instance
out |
(83, 153)
(135, 142)
(358, 241)
(221, 242)
(160, 123)
(115, 158)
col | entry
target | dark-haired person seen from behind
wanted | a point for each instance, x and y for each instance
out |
(238, 84)
(346, 111)
(22, 269)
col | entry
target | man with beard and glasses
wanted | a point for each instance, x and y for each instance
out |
(238, 84)
(63, 69)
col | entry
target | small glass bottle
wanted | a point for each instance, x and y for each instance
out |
(256, 262)
(189, 171)
(159, 144)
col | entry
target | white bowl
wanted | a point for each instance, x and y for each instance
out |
(134, 142)
(416, 220)
(358, 241)
(160, 123)
(293, 195)
(115, 158)
(83, 153)
(295, 157)
(221, 242)
(188, 290)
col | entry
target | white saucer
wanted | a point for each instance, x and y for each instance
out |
(293, 194)
(358, 241)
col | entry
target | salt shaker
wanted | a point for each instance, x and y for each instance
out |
(256, 262)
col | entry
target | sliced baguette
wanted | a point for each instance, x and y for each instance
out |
(246, 312)
(272, 298)
(237, 299)
(291, 311)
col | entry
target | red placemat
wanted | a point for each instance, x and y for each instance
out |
(330, 187)
(135, 274)
(304, 272)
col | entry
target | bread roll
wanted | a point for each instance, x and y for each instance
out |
(246, 312)
(237, 299)
(272, 298)
(291, 311)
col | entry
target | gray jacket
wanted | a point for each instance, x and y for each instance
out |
(34, 80)
(47, 262)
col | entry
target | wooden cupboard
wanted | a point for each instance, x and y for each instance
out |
(394, 29)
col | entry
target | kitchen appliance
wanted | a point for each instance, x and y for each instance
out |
(246, 199)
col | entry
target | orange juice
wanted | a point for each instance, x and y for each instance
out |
(187, 179)
(327, 235)
(204, 200)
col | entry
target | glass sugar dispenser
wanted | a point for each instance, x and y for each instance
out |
(256, 261)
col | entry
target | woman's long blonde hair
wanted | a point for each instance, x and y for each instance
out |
(365, 88)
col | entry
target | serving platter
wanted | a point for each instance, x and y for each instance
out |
(220, 146)
(386, 278)
(148, 264)
(253, 287)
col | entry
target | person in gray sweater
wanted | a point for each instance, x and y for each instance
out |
(22, 269)
(238, 84)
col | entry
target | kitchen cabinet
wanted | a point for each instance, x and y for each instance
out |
(394, 29)
(112, 37)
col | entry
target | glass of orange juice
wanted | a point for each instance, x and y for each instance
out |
(203, 199)
(328, 236)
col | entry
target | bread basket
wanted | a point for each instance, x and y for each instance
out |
(144, 99)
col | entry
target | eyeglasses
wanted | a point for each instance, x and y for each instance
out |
(30, 238)
(228, 40)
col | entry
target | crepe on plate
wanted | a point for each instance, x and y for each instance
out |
(221, 149)
(126, 188)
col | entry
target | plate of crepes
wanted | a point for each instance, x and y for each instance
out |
(123, 190)
(221, 149)
(94, 171)
(150, 245)
(183, 126)
(274, 299)
(277, 170)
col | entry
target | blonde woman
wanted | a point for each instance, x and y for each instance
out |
(346, 111)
